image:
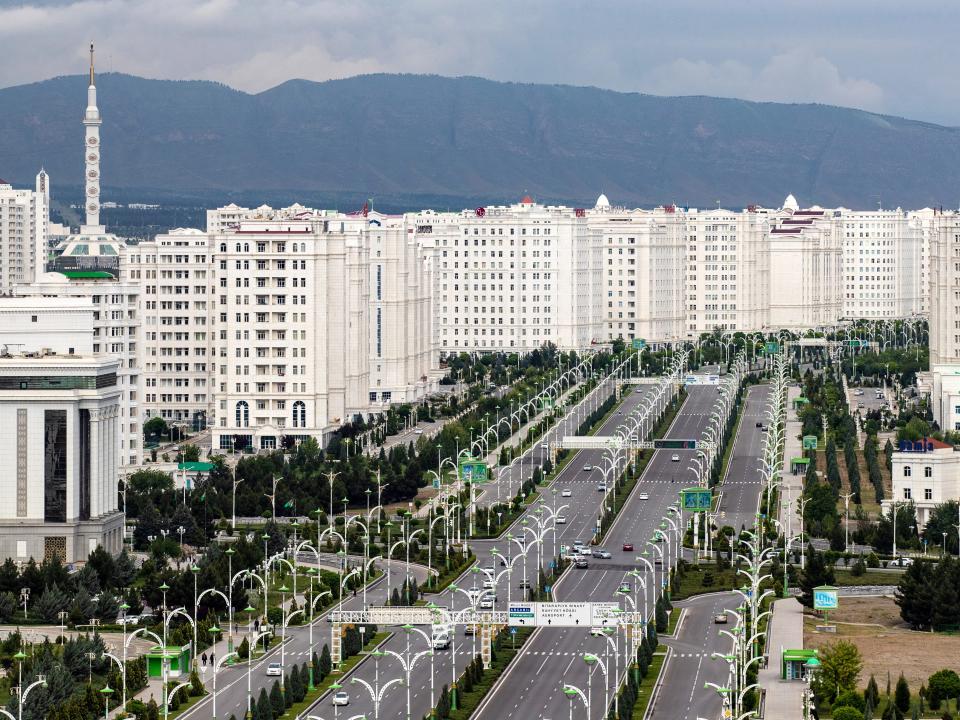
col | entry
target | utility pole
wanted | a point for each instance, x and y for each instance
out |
(846, 525)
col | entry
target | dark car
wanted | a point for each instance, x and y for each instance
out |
(628, 547)
(581, 562)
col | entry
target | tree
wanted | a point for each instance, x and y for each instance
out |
(850, 698)
(872, 693)
(840, 666)
(817, 573)
(901, 696)
(326, 663)
(155, 427)
(8, 606)
(82, 607)
(107, 607)
(847, 712)
(277, 703)
(941, 685)
(51, 603)
(243, 649)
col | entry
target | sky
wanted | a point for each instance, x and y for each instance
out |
(885, 56)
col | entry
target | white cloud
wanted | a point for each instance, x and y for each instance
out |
(788, 77)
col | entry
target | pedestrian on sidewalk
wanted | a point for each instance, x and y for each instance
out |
(211, 659)
(203, 659)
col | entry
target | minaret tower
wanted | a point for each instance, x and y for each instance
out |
(91, 124)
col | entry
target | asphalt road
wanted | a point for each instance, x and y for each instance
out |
(532, 688)
(448, 664)
(689, 666)
(742, 486)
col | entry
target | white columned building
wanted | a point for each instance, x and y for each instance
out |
(60, 417)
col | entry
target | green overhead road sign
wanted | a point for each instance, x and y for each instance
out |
(474, 471)
(854, 343)
(675, 444)
(773, 347)
(639, 343)
(809, 442)
(697, 499)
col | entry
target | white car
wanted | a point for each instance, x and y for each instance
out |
(561, 519)
(341, 699)
(596, 631)
(644, 496)
(858, 392)
(274, 669)
(566, 492)
(587, 468)
(418, 431)
(674, 458)
(486, 604)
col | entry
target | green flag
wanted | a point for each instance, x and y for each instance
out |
(288, 504)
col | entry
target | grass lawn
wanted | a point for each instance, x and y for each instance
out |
(467, 702)
(699, 579)
(672, 622)
(870, 577)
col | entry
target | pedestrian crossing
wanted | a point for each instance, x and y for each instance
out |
(549, 653)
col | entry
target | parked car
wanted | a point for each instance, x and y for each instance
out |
(903, 562)
(601, 554)
(341, 699)
(274, 669)
(858, 392)
(674, 458)
(566, 492)
(628, 547)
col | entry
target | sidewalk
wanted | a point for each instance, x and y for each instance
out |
(792, 485)
(783, 699)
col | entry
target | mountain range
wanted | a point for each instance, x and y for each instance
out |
(414, 140)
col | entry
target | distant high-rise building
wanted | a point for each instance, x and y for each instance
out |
(24, 217)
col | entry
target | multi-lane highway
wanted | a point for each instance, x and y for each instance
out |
(533, 685)
(741, 487)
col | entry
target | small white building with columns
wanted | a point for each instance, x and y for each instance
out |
(59, 430)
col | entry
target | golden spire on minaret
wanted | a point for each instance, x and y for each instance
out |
(91, 63)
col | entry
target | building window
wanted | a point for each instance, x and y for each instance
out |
(906, 471)
(299, 414)
(55, 466)
(906, 493)
(927, 471)
(928, 493)
(243, 414)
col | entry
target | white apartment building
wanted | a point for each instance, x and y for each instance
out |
(402, 360)
(945, 319)
(59, 418)
(177, 291)
(292, 320)
(882, 264)
(513, 277)
(57, 324)
(806, 268)
(643, 262)
(23, 226)
(727, 270)
(927, 477)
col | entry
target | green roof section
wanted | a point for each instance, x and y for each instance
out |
(195, 466)
(88, 274)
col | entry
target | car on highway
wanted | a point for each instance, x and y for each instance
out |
(601, 487)
(489, 585)
(628, 547)
(601, 554)
(644, 496)
(341, 699)
(720, 618)
(486, 603)
(581, 562)
(859, 406)
(274, 669)
(128, 620)
(470, 629)
(566, 492)
(561, 519)
(759, 424)
(587, 468)
(577, 544)
(674, 458)
(524, 585)
(596, 632)
(544, 446)
(418, 431)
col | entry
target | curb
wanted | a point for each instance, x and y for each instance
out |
(655, 696)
